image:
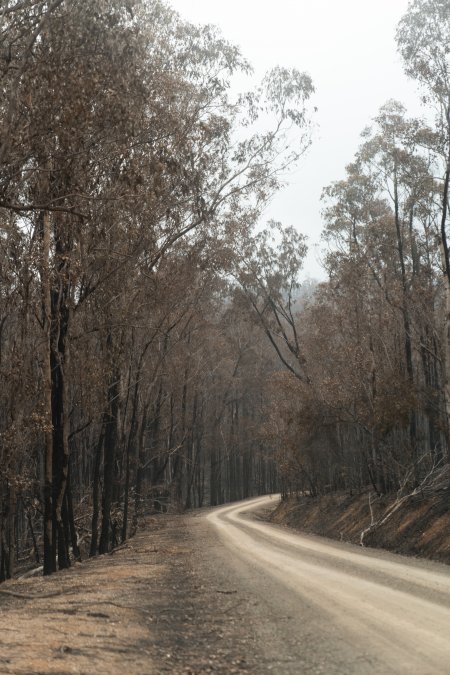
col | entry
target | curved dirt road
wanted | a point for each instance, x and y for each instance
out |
(224, 592)
(332, 607)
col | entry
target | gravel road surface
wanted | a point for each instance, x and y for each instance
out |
(222, 591)
(333, 607)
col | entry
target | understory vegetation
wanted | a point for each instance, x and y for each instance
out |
(156, 346)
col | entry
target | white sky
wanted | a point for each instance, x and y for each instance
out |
(348, 48)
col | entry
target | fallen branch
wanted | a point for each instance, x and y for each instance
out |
(32, 573)
(120, 548)
(437, 480)
(37, 596)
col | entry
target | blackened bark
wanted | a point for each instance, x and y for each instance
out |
(60, 321)
(96, 492)
(140, 470)
(44, 234)
(72, 534)
(110, 450)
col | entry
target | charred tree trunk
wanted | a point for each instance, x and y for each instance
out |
(446, 260)
(44, 231)
(96, 491)
(71, 520)
(60, 435)
(110, 452)
(406, 322)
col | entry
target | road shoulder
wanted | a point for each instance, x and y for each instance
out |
(161, 604)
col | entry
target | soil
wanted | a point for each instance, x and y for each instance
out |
(169, 600)
(420, 527)
(161, 604)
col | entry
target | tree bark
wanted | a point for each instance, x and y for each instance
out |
(49, 555)
(445, 248)
(96, 492)
(110, 451)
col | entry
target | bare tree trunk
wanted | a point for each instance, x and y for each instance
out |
(60, 354)
(72, 532)
(179, 466)
(96, 492)
(447, 364)
(11, 529)
(446, 257)
(110, 450)
(60, 443)
(49, 555)
(406, 325)
(140, 469)
(191, 458)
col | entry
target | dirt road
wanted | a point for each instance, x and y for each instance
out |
(221, 591)
(335, 608)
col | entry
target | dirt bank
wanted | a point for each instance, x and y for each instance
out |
(419, 527)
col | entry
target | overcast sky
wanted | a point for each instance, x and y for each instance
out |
(348, 48)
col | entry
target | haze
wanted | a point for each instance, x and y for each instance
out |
(349, 50)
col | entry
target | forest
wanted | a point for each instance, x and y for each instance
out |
(156, 346)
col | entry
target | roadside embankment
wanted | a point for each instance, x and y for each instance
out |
(418, 526)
